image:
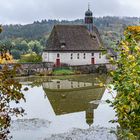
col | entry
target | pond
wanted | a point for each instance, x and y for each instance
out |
(57, 105)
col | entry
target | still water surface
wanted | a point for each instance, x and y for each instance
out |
(59, 104)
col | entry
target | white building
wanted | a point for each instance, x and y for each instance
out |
(75, 44)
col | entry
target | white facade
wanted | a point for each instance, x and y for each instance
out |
(75, 58)
(65, 84)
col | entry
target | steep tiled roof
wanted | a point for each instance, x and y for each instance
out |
(73, 38)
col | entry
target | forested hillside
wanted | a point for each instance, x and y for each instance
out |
(22, 39)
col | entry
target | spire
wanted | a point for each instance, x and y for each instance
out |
(88, 5)
(90, 115)
(89, 19)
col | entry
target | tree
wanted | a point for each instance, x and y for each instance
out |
(126, 81)
(5, 49)
(6, 43)
(16, 54)
(22, 46)
(35, 46)
(10, 90)
(32, 57)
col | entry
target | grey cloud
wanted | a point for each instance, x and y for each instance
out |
(27, 11)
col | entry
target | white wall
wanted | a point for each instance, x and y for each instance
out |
(66, 58)
(65, 84)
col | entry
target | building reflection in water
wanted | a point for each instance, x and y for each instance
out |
(71, 96)
(90, 115)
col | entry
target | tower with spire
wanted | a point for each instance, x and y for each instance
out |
(89, 19)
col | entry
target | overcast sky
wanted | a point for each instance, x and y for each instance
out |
(27, 11)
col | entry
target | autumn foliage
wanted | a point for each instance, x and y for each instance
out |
(6, 57)
(10, 91)
(126, 81)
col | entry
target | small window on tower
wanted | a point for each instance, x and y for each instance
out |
(92, 54)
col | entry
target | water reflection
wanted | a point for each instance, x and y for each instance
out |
(67, 103)
(65, 84)
(76, 98)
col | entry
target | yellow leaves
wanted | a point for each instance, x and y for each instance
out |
(111, 60)
(127, 82)
(127, 108)
(137, 48)
(10, 90)
(134, 29)
(6, 58)
(101, 84)
(135, 83)
(126, 48)
(131, 57)
(111, 73)
(133, 32)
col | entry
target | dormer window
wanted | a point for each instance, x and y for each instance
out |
(92, 36)
(63, 44)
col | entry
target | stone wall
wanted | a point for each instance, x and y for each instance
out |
(44, 67)
(100, 68)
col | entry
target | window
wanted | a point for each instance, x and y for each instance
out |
(63, 43)
(71, 84)
(58, 55)
(62, 46)
(71, 56)
(58, 86)
(84, 56)
(100, 55)
(92, 54)
(46, 56)
(78, 84)
(78, 56)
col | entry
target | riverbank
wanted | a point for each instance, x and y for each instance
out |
(92, 133)
(44, 69)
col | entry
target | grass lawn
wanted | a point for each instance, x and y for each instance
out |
(63, 72)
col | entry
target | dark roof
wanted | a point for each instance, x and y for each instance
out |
(75, 101)
(73, 38)
(88, 13)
